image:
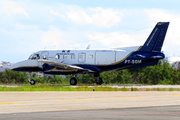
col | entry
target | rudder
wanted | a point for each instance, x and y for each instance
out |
(156, 38)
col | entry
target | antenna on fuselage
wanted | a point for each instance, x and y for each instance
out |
(88, 47)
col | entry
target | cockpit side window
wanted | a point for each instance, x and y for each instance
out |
(30, 57)
(38, 57)
(34, 57)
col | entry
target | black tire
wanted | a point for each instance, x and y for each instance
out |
(99, 81)
(32, 82)
(73, 81)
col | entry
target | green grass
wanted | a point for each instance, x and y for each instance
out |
(28, 88)
(171, 89)
(57, 88)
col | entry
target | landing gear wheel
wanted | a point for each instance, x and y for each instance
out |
(32, 82)
(99, 80)
(73, 81)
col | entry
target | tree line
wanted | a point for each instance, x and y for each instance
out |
(162, 73)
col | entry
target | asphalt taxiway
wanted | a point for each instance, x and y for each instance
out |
(89, 105)
(142, 113)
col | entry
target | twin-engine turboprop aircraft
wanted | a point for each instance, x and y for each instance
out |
(96, 61)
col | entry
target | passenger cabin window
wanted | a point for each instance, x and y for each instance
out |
(44, 57)
(90, 56)
(57, 57)
(72, 56)
(65, 56)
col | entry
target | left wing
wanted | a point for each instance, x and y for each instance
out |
(61, 65)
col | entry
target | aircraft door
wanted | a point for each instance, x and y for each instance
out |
(105, 57)
(82, 58)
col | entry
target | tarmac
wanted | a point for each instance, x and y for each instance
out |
(90, 105)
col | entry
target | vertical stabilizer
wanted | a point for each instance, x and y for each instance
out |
(156, 38)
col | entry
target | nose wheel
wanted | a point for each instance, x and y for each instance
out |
(32, 82)
(73, 81)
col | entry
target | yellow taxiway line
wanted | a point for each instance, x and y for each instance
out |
(174, 94)
(11, 103)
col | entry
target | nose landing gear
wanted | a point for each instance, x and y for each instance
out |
(32, 82)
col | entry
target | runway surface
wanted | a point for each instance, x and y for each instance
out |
(144, 113)
(89, 105)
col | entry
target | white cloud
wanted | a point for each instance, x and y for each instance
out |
(52, 39)
(115, 39)
(100, 17)
(56, 14)
(10, 7)
(36, 28)
(22, 27)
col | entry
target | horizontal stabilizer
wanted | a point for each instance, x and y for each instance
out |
(132, 48)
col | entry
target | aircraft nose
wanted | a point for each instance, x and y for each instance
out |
(15, 66)
(26, 66)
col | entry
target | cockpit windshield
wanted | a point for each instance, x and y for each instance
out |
(34, 56)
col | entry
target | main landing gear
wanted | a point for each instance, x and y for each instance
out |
(73, 81)
(98, 81)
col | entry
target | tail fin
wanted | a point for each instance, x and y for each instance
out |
(156, 38)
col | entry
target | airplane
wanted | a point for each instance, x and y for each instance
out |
(63, 62)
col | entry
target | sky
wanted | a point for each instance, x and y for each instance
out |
(27, 26)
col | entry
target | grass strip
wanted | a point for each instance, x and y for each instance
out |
(57, 88)
(78, 88)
